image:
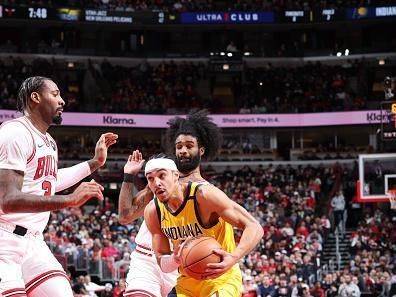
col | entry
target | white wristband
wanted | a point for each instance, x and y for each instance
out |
(168, 263)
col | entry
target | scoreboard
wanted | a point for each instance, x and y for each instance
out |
(388, 120)
(67, 14)
(155, 17)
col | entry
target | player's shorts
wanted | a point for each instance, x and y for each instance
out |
(25, 261)
(146, 277)
(227, 290)
(229, 285)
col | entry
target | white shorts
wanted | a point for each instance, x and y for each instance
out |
(146, 277)
(25, 262)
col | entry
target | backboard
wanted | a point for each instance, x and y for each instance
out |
(377, 175)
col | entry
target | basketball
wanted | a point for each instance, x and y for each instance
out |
(198, 252)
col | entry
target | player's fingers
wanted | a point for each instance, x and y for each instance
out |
(135, 156)
(97, 193)
(211, 267)
(110, 135)
(95, 184)
(111, 143)
(130, 158)
(220, 252)
(102, 138)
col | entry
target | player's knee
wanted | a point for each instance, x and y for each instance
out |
(55, 286)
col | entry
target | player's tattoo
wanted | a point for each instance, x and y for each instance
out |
(132, 208)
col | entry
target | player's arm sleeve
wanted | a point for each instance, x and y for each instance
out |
(68, 177)
(15, 151)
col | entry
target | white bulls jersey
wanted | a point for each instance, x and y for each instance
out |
(144, 237)
(26, 149)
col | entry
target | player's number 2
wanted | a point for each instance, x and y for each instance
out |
(46, 186)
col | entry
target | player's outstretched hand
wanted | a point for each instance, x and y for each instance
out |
(105, 141)
(135, 163)
(214, 270)
(84, 192)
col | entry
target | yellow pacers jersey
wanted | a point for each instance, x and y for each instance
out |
(184, 222)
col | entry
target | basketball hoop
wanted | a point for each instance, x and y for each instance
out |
(392, 198)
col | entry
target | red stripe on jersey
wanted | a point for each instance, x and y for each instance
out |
(19, 292)
(34, 283)
(144, 247)
(34, 129)
(143, 253)
(138, 293)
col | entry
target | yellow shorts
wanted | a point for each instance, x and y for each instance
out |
(226, 290)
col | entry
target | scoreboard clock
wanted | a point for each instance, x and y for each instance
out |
(38, 13)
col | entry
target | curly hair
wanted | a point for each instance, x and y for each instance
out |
(199, 125)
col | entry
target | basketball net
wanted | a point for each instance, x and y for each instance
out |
(392, 198)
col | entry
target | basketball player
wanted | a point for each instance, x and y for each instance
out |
(181, 210)
(29, 177)
(190, 139)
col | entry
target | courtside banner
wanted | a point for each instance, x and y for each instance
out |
(232, 17)
(370, 12)
(225, 121)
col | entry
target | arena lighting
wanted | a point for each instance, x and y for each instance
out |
(70, 64)
(226, 67)
(246, 53)
(381, 62)
(229, 54)
(260, 83)
(212, 53)
(222, 53)
(339, 54)
(346, 52)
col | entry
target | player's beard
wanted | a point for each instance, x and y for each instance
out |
(57, 119)
(188, 165)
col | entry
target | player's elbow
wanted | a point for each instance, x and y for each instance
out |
(7, 205)
(6, 201)
(259, 231)
(123, 221)
(124, 218)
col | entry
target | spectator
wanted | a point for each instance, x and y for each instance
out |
(317, 290)
(300, 287)
(120, 288)
(79, 287)
(250, 288)
(231, 47)
(348, 288)
(266, 289)
(92, 287)
(338, 205)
